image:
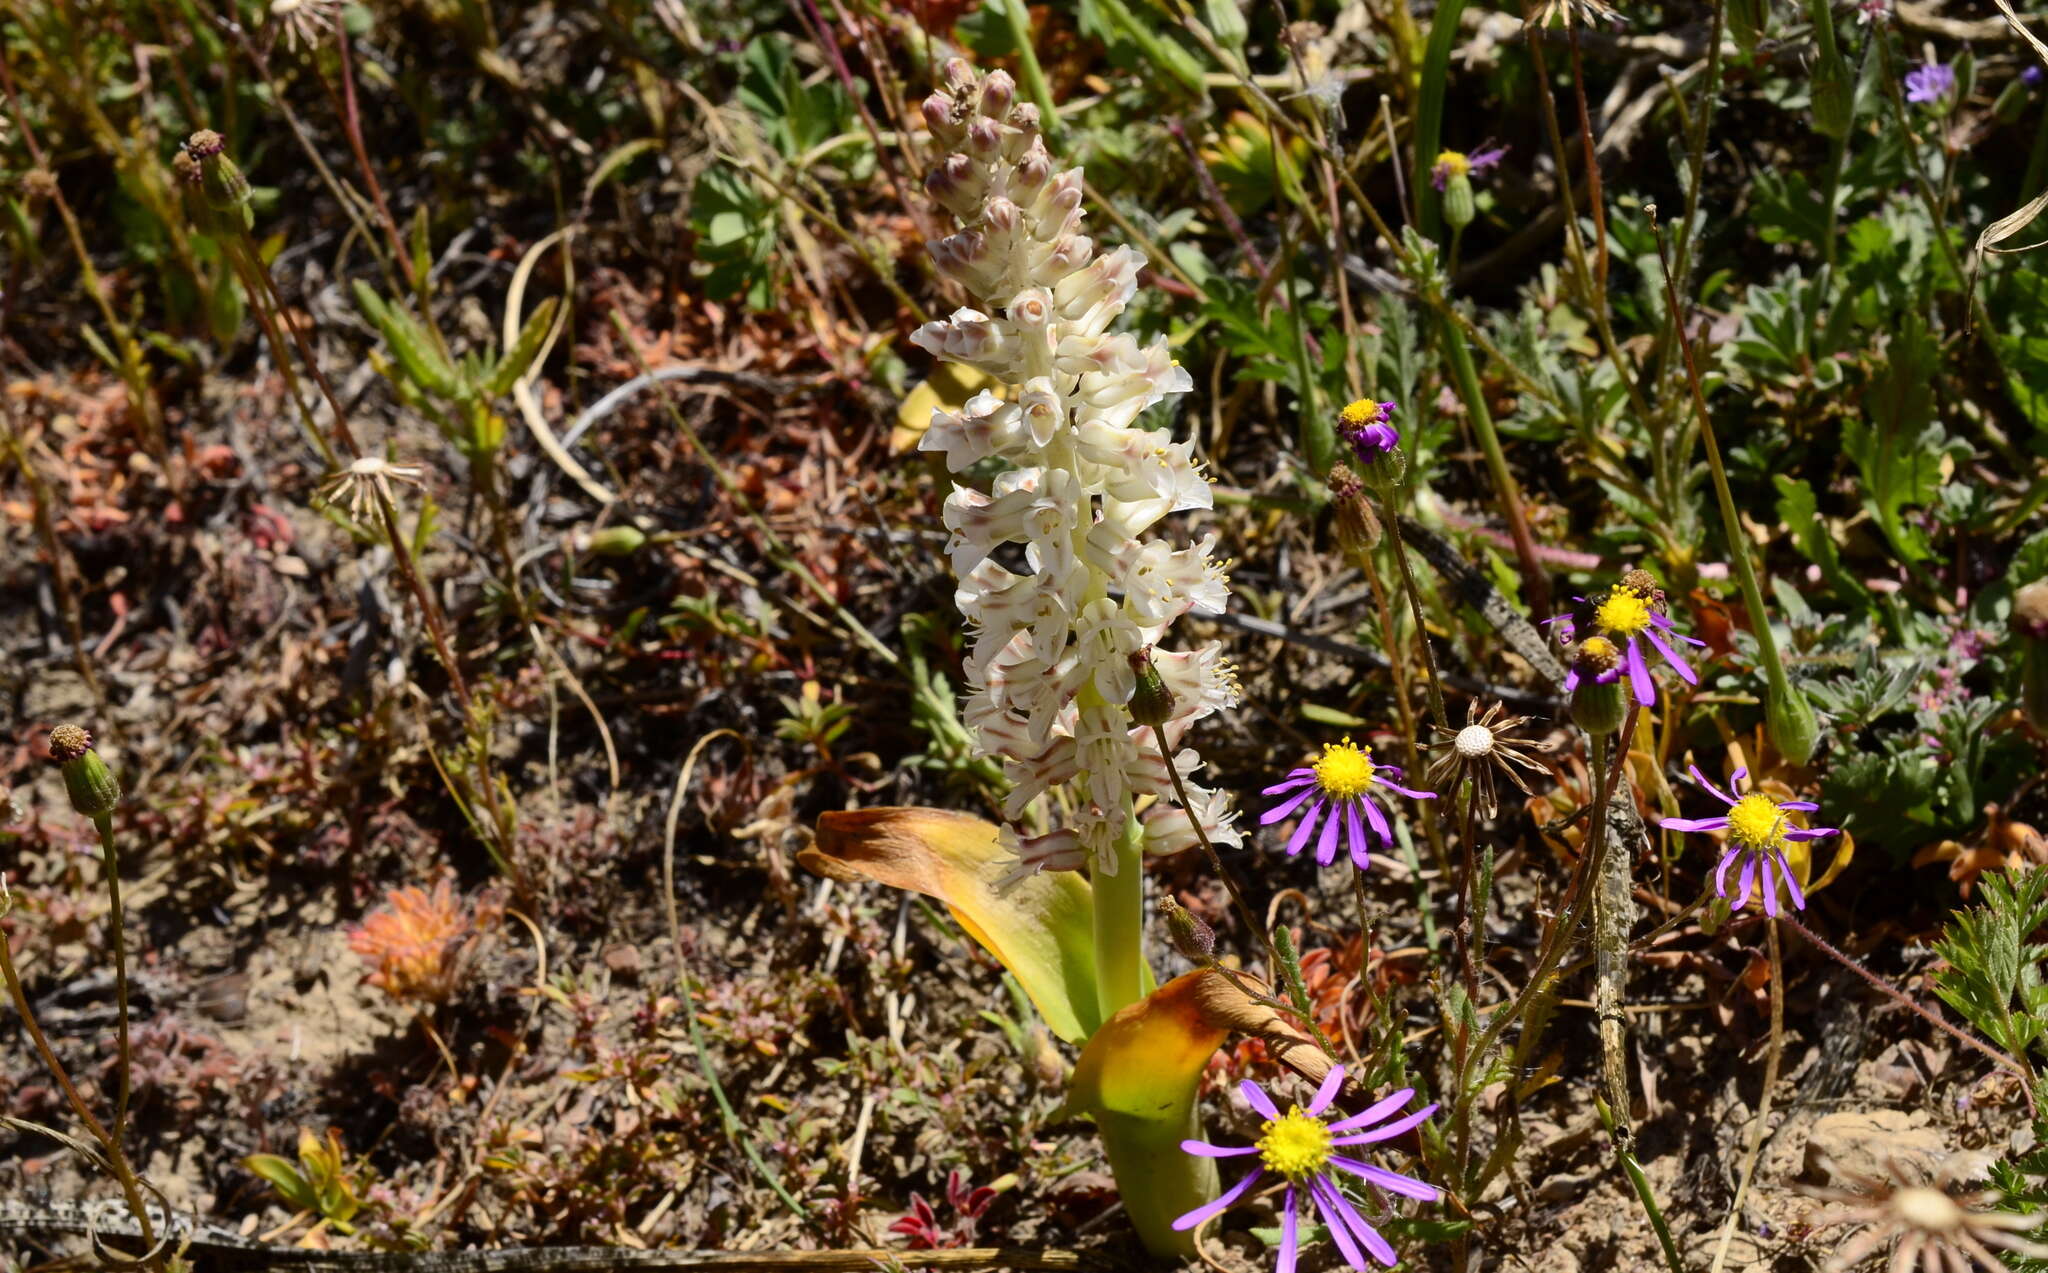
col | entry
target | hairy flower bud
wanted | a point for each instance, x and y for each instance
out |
(1599, 702)
(222, 184)
(87, 779)
(1192, 939)
(1151, 701)
(1358, 529)
(1794, 730)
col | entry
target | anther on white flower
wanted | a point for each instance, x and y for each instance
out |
(1050, 667)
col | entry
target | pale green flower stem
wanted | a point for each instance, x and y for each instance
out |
(1120, 923)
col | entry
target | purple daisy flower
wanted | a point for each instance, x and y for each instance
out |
(1367, 426)
(1339, 784)
(1452, 164)
(1758, 831)
(1301, 1146)
(1932, 82)
(1629, 617)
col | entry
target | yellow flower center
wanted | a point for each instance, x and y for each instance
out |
(1294, 1144)
(1453, 163)
(1360, 413)
(1623, 613)
(1756, 822)
(1345, 770)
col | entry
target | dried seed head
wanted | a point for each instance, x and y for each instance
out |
(39, 183)
(1474, 742)
(2030, 611)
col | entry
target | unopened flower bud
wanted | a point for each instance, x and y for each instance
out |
(2030, 629)
(225, 189)
(87, 779)
(1599, 702)
(1643, 584)
(938, 116)
(958, 76)
(1794, 729)
(38, 183)
(985, 138)
(998, 94)
(1358, 529)
(1001, 215)
(1460, 206)
(1151, 701)
(615, 541)
(1034, 169)
(1192, 939)
(191, 184)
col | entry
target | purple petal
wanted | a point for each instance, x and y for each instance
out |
(1340, 1232)
(1361, 847)
(1390, 1130)
(1218, 1207)
(1391, 1181)
(1811, 833)
(1290, 1234)
(1694, 824)
(1678, 664)
(1381, 1249)
(1721, 873)
(1639, 676)
(1377, 820)
(1378, 1110)
(1803, 806)
(1770, 888)
(1203, 1149)
(1718, 794)
(1297, 841)
(1735, 779)
(1406, 791)
(1256, 1097)
(1571, 680)
(1792, 883)
(1326, 847)
(1748, 879)
(1289, 784)
(1280, 811)
(1333, 1083)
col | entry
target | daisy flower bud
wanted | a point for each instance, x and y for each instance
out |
(221, 183)
(1598, 701)
(1192, 939)
(1358, 529)
(87, 780)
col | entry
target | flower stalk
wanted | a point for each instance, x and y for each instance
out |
(1787, 715)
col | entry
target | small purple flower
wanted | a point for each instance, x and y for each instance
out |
(1452, 164)
(1338, 784)
(1628, 616)
(1873, 11)
(1758, 831)
(1367, 426)
(1300, 1146)
(2032, 76)
(1933, 82)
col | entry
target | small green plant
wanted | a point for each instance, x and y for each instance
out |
(321, 1183)
(1994, 976)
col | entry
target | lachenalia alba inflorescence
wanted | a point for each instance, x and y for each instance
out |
(1052, 663)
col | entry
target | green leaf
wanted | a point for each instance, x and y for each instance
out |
(1896, 444)
(517, 359)
(1041, 927)
(417, 356)
(1332, 716)
(1799, 510)
(298, 1193)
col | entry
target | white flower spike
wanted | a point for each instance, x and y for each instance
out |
(1050, 667)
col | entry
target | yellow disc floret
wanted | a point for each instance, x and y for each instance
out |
(1756, 822)
(1361, 413)
(1345, 770)
(1295, 1144)
(1623, 614)
(1452, 163)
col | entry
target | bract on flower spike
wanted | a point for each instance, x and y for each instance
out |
(1050, 670)
(1302, 1146)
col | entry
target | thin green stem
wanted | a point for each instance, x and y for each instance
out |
(1731, 523)
(1245, 914)
(1644, 1194)
(118, 941)
(1027, 62)
(1392, 517)
(1465, 377)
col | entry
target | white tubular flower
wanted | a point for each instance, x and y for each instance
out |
(1050, 667)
